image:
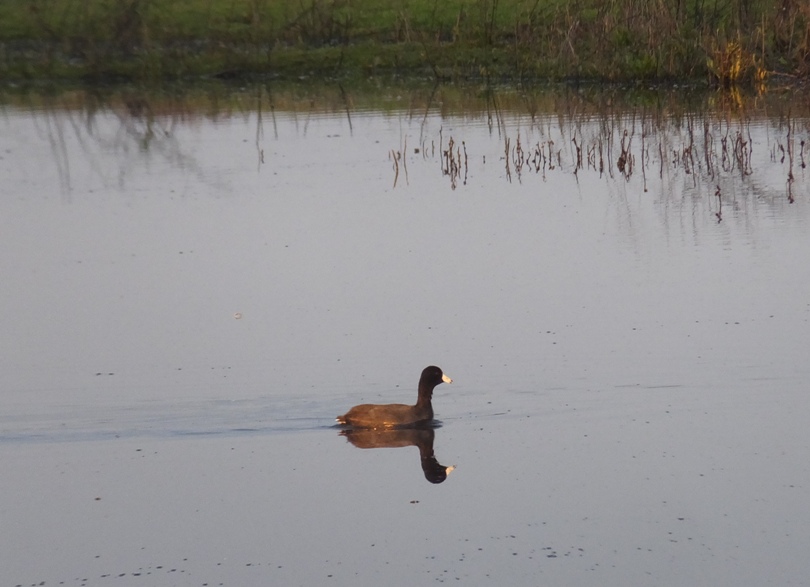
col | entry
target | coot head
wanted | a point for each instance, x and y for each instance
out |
(433, 376)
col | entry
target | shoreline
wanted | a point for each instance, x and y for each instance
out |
(30, 62)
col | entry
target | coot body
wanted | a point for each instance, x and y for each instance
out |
(398, 415)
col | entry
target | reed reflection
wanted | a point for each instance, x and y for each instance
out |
(703, 152)
(422, 438)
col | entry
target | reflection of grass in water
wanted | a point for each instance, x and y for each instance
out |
(630, 39)
(714, 146)
(638, 131)
(216, 99)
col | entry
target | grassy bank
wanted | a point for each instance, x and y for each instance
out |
(729, 41)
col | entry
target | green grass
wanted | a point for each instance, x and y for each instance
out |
(729, 41)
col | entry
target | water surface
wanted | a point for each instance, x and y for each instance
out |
(193, 293)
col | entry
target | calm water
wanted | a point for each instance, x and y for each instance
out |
(193, 290)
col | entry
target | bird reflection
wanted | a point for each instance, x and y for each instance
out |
(388, 438)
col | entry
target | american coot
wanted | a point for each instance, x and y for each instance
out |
(398, 415)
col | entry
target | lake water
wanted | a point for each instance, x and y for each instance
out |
(195, 286)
